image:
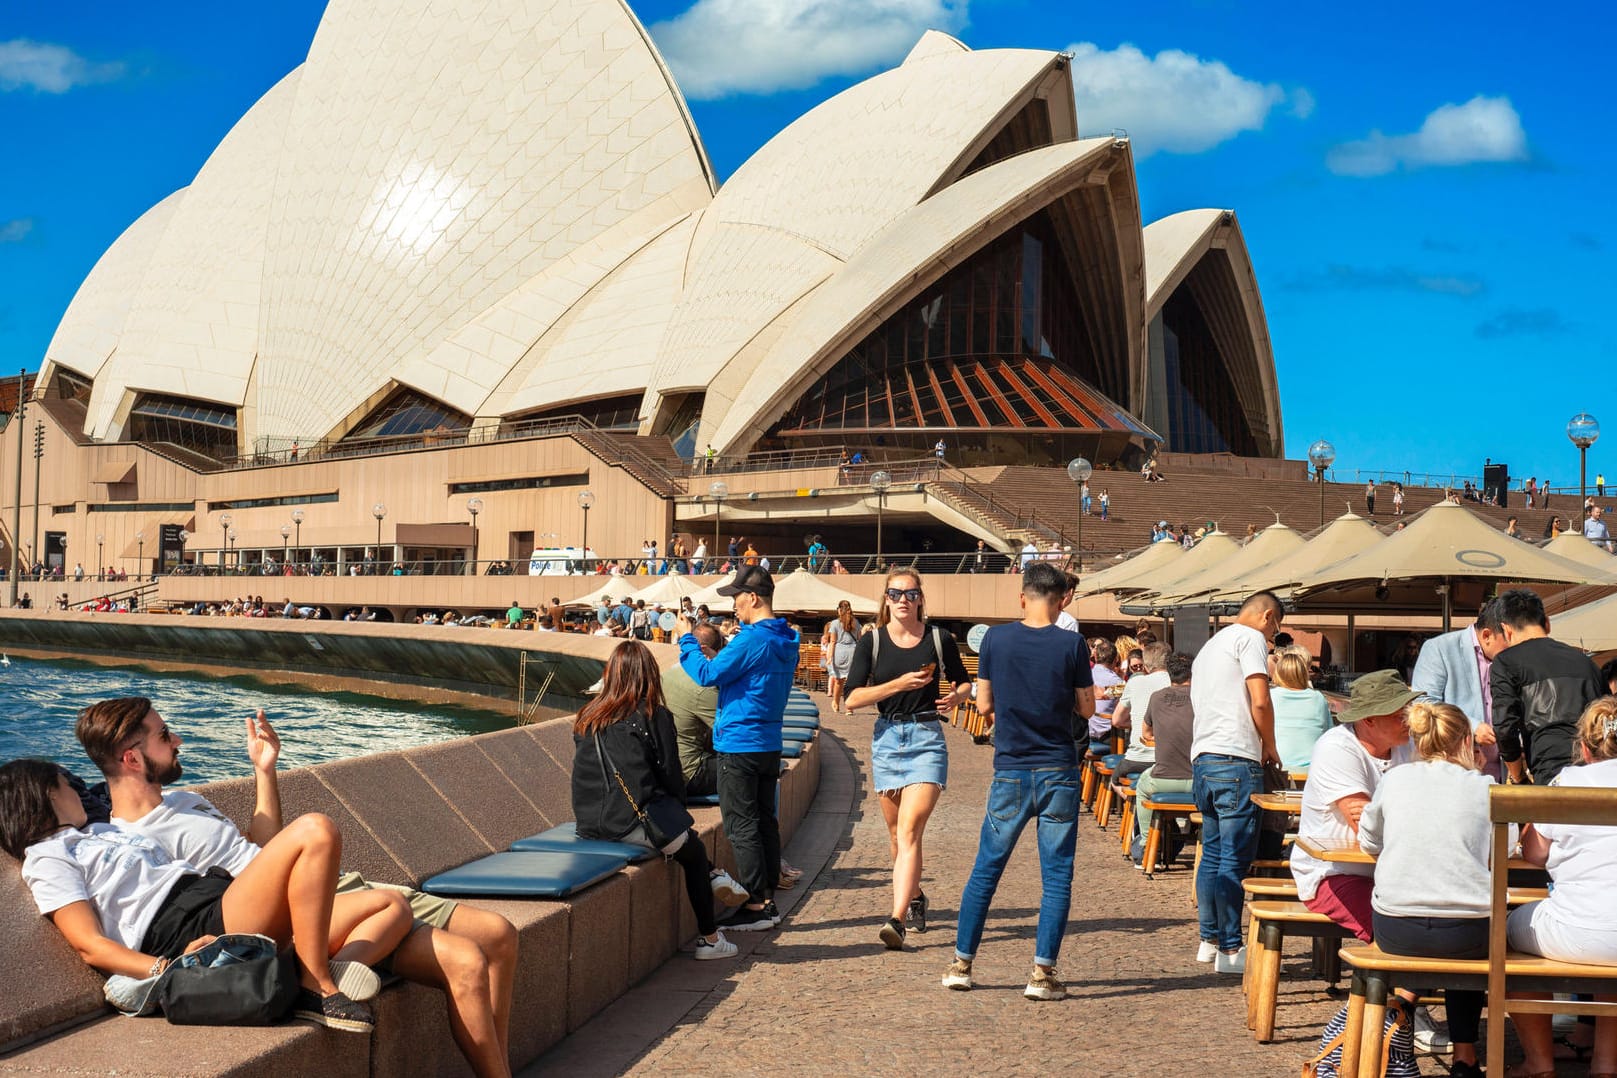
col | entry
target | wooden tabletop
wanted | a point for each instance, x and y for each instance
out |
(1284, 801)
(1347, 852)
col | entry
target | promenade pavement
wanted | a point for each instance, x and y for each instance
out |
(820, 995)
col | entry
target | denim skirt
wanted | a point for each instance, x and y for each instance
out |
(906, 752)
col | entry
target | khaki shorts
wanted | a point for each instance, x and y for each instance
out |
(427, 909)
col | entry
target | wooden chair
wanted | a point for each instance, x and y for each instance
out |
(1125, 818)
(1103, 793)
(1504, 970)
(1162, 811)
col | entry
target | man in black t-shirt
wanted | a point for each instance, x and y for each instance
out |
(1540, 688)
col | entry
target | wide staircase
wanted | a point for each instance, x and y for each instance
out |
(650, 460)
(1019, 502)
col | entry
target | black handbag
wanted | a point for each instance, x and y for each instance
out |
(248, 983)
(661, 817)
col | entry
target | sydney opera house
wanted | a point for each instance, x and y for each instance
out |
(478, 251)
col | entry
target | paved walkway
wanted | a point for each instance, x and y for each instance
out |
(821, 996)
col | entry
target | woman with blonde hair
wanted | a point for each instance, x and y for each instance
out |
(1578, 922)
(1428, 828)
(897, 667)
(837, 643)
(628, 786)
(1302, 713)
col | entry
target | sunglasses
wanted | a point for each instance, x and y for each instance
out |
(897, 594)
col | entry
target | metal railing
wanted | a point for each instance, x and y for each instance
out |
(1010, 517)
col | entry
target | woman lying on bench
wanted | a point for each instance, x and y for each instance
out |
(1578, 922)
(127, 907)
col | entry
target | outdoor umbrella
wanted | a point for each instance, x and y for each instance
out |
(1592, 627)
(1415, 570)
(1574, 547)
(1272, 543)
(1214, 548)
(710, 597)
(1133, 573)
(1344, 537)
(802, 591)
(668, 590)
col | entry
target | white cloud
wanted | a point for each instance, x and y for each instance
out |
(720, 47)
(16, 230)
(1174, 101)
(1482, 129)
(49, 69)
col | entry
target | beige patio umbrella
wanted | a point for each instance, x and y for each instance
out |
(1134, 572)
(1592, 627)
(1574, 547)
(1214, 548)
(710, 597)
(1342, 538)
(668, 590)
(1272, 543)
(1416, 569)
(802, 591)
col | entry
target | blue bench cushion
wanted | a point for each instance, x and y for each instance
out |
(791, 733)
(800, 722)
(526, 874)
(565, 838)
(792, 749)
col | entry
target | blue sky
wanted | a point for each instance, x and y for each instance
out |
(1425, 188)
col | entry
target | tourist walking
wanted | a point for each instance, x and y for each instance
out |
(898, 669)
(754, 676)
(1105, 503)
(1032, 677)
(1370, 497)
(838, 642)
(628, 786)
(1397, 499)
(1234, 738)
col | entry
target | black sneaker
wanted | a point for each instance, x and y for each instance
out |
(750, 920)
(335, 1011)
(917, 912)
(892, 934)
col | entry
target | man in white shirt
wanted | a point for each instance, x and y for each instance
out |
(1065, 620)
(1346, 768)
(1233, 738)
(1130, 711)
(469, 954)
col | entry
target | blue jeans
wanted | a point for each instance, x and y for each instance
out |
(1222, 787)
(1014, 798)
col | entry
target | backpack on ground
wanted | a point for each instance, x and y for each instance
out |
(1397, 1047)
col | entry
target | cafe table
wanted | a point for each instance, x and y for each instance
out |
(1289, 801)
(1347, 852)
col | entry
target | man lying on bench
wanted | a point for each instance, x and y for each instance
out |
(469, 954)
(127, 906)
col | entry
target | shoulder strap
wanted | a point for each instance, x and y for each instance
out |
(937, 649)
(875, 647)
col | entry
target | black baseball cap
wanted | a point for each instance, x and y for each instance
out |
(753, 578)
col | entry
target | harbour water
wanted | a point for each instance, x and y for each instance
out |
(40, 700)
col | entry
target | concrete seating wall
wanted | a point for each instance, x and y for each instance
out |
(404, 817)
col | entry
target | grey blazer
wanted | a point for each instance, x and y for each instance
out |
(1447, 672)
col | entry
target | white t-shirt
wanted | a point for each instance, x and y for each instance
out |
(1137, 694)
(1066, 621)
(1583, 859)
(124, 876)
(1341, 767)
(1218, 693)
(189, 827)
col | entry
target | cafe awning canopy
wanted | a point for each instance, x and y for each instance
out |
(1134, 573)
(1574, 547)
(1592, 627)
(1414, 570)
(710, 597)
(668, 590)
(1274, 542)
(801, 591)
(1347, 535)
(1214, 548)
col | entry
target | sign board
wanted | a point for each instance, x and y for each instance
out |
(974, 637)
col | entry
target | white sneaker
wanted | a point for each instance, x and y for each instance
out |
(1230, 961)
(719, 948)
(727, 890)
(958, 976)
(1207, 951)
(355, 980)
(1431, 1037)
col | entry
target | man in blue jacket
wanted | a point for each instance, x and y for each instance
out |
(754, 677)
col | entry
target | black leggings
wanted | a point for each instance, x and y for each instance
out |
(692, 857)
(1441, 937)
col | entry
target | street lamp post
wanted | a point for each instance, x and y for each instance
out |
(16, 522)
(474, 507)
(100, 562)
(718, 492)
(586, 498)
(1079, 470)
(1321, 455)
(879, 483)
(286, 534)
(378, 511)
(231, 540)
(140, 553)
(1583, 431)
(297, 529)
(224, 542)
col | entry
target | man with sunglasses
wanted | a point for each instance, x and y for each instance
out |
(754, 676)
